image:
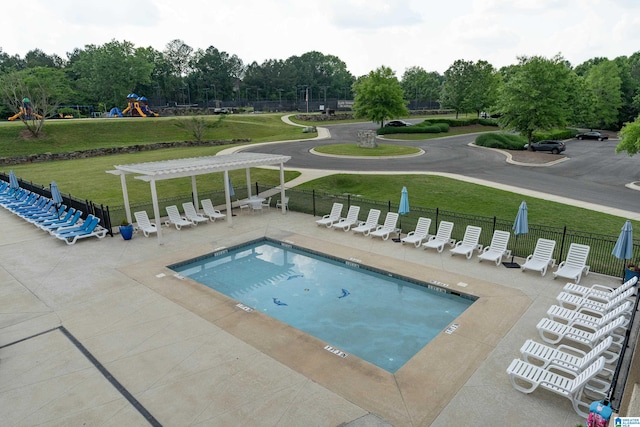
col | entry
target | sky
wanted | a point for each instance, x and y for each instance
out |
(365, 34)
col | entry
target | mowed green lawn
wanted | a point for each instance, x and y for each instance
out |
(87, 178)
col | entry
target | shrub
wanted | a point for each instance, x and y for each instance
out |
(419, 128)
(554, 134)
(505, 141)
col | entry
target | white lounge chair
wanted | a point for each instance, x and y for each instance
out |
(469, 242)
(498, 247)
(351, 219)
(144, 224)
(588, 321)
(583, 304)
(333, 216)
(193, 215)
(541, 257)
(389, 226)
(572, 386)
(175, 218)
(244, 207)
(370, 224)
(575, 264)
(421, 232)
(553, 332)
(566, 356)
(210, 211)
(599, 292)
(442, 237)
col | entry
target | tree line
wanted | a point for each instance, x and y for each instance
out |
(599, 93)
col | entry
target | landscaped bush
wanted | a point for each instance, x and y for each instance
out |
(419, 128)
(505, 141)
(462, 122)
(555, 134)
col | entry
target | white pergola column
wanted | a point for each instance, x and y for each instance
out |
(125, 197)
(248, 171)
(282, 193)
(194, 191)
(156, 209)
(227, 198)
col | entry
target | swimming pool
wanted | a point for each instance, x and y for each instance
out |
(381, 318)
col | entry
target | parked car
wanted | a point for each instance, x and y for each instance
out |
(397, 123)
(556, 147)
(592, 135)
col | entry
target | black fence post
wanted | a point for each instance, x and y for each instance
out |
(257, 189)
(313, 198)
(564, 233)
(348, 200)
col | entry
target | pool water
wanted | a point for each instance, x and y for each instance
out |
(373, 315)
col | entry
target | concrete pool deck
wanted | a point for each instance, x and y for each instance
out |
(103, 333)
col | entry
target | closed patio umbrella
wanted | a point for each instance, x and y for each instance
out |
(403, 209)
(13, 183)
(520, 226)
(55, 194)
(623, 248)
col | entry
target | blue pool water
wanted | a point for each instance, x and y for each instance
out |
(382, 319)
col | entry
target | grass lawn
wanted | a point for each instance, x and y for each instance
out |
(354, 150)
(87, 178)
(81, 134)
(449, 194)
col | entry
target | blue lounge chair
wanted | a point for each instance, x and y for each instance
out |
(53, 214)
(89, 228)
(70, 220)
(41, 208)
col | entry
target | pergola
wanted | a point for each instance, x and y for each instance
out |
(181, 168)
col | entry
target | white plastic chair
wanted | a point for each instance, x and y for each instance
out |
(389, 226)
(575, 264)
(541, 257)
(192, 215)
(553, 332)
(144, 224)
(442, 237)
(175, 218)
(421, 233)
(469, 242)
(331, 217)
(350, 220)
(370, 224)
(566, 356)
(498, 247)
(280, 204)
(565, 383)
(599, 292)
(210, 211)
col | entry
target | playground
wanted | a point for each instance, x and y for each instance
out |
(26, 112)
(137, 106)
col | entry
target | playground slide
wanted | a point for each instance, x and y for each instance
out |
(17, 116)
(137, 107)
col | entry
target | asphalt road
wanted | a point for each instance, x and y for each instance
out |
(594, 173)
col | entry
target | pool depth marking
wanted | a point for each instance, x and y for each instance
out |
(336, 351)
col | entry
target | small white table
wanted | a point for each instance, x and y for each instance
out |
(255, 203)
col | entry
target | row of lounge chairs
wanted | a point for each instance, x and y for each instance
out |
(592, 322)
(61, 222)
(190, 218)
(572, 268)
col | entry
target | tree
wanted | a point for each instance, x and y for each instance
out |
(107, 73)
(215, 74)
(630, 138)
(378, 96)
(535, 95)
(605, 83)
(483, 87)
(35, 94)
(456, 85)
(419, 85)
